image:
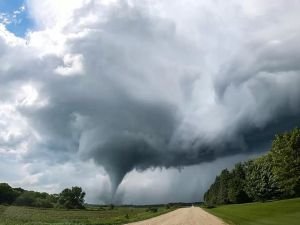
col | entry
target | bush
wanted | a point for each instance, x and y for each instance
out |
(26, 199)
(43, 203)
(152, 209)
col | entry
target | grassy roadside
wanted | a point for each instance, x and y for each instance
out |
(284, 212)
(14, 215)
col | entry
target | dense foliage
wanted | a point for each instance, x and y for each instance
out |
(68, 198)
(72, 198)
(21, 197)
(275, 175)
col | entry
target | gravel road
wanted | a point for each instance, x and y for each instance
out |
(183, 216)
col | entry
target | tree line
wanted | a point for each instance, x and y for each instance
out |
(69, 198)
(275, 175)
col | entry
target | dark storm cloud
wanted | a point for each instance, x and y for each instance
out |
(152, 93)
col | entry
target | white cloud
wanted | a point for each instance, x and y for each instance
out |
(72, 65)
(9, 37)
(14, 131)
(53, 13)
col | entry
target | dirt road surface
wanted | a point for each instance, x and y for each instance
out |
(184, 216)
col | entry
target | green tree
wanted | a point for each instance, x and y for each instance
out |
(72, 198)
(261, 183)
(222, 196)
(211, 196)
(236, 190)
(7, 194)
(285, 156)
(274, 175)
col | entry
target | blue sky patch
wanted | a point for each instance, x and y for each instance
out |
(14, 15)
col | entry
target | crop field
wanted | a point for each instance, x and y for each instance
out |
(284, 212)
(14, 215)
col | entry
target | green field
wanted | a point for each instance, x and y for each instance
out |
(14, 215)
(285, 212)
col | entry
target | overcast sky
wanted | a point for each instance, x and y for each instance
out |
(147, 100)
